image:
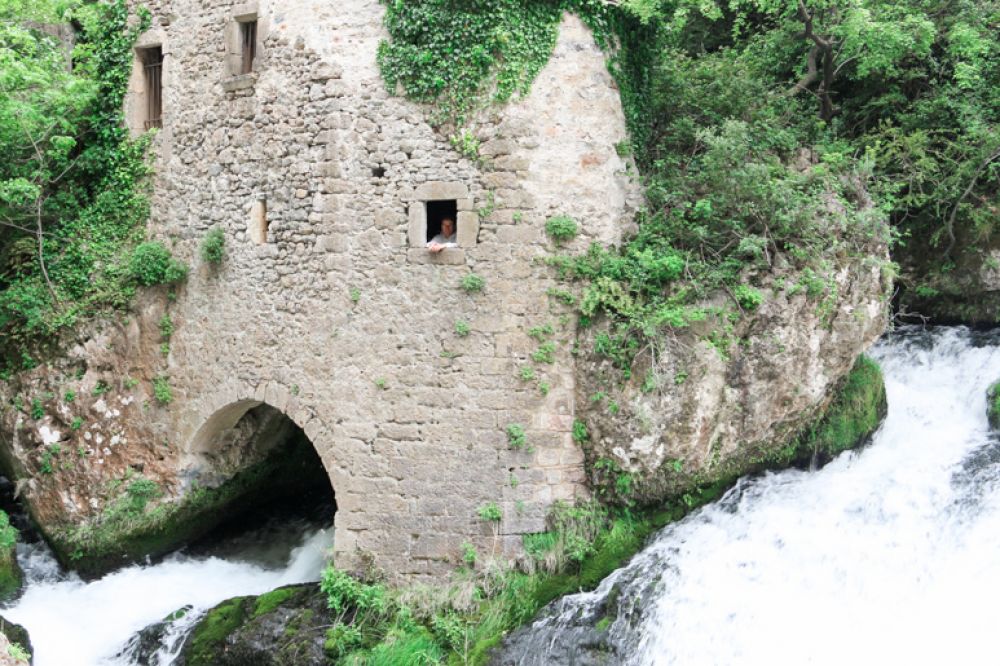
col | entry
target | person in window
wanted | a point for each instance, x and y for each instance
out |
(444, 239)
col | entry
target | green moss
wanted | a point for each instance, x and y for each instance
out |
(213, 629)
(11, 576)
(993, 405)
(271, 600)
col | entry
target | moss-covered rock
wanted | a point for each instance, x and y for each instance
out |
(993, 405)
(139, 524)
(284, 627)
(16, 643)
(11, 576)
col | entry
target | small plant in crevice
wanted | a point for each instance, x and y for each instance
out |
(213, 246)
(545, 353)
(462, 328)
(355, 295)
(161, 390)
(166, 326)
(472, 284)
(37, 411)
(561, 228)
(380, 383)
(544, 388)
(580, 433)
(527, 373)
(100, 388)
(469, 554)
(516, 436)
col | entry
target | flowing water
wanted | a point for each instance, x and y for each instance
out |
(77, 623)
(888, 555)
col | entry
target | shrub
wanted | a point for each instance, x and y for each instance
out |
(162, 391)
(515, 436)
(473, 284)
(152, 264)
(748, 297)
(491, 512)
(213, 246)
(561, 228)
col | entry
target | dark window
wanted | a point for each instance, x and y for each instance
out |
(378, 172)
(152, 62)
(248, 42)
(437, 211)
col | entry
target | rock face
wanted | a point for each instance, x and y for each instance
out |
(701, 412)
(11, 633)
(963, 288)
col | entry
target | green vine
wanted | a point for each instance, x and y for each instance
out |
(461, 56)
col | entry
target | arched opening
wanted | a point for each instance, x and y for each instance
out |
(269, 472)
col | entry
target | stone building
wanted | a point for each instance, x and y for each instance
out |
(278, 130)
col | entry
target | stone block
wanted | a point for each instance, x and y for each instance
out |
(468, 228)
(417, 226)
(440, 190)
(452, 256)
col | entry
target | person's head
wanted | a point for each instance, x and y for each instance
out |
(447, 226)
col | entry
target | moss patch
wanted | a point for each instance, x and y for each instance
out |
(211, 632)
(271, 600)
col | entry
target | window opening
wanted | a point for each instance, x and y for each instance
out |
(248, 40)
(440, 210)
(259, 222)
(152, 60)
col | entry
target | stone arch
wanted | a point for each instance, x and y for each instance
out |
(223, 411)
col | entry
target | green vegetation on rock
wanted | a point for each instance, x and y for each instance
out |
(993, 405)
(11, 576)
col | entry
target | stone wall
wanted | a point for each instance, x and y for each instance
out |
(340, 317)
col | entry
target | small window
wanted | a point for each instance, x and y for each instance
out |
(152, 62)
(437, 211)
(258, 224)
(248, 45)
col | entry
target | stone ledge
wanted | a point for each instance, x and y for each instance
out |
(240, 82)
(451, 256)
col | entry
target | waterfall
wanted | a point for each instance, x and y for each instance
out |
(886, 555)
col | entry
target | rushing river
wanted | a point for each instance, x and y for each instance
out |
(76, 623)
(888, 555)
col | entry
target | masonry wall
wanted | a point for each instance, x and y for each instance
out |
(338, 319)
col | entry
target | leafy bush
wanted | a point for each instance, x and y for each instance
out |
(213, 246)
(561, 228)
(152, 264)
(473, 284)
(162, 391)
(515, 436)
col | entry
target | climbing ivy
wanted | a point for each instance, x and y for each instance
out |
(460, 56)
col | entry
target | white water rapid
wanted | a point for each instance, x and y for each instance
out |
(75, 623)
(888, 555)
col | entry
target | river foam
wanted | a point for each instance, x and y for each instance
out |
(76, 623)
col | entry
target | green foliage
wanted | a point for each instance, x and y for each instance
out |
(8, 533)
(462, 328)
(993, 405)
(37, 411)
(545, 353)
(490, 512)
(580, 433)
(748, 297)
(166, 326)
(213, 246)
(527, 373)
(69, 395)
(561, 228)
(344, 592)
(473, 284)
(72, 200)
(516, 437)
(162, 391)
(469, 554)
(18, 653)
(152, 264)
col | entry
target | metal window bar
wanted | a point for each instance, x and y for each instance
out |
(154, 87)
(248, 33)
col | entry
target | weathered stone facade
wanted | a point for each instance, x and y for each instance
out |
(328, 307)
